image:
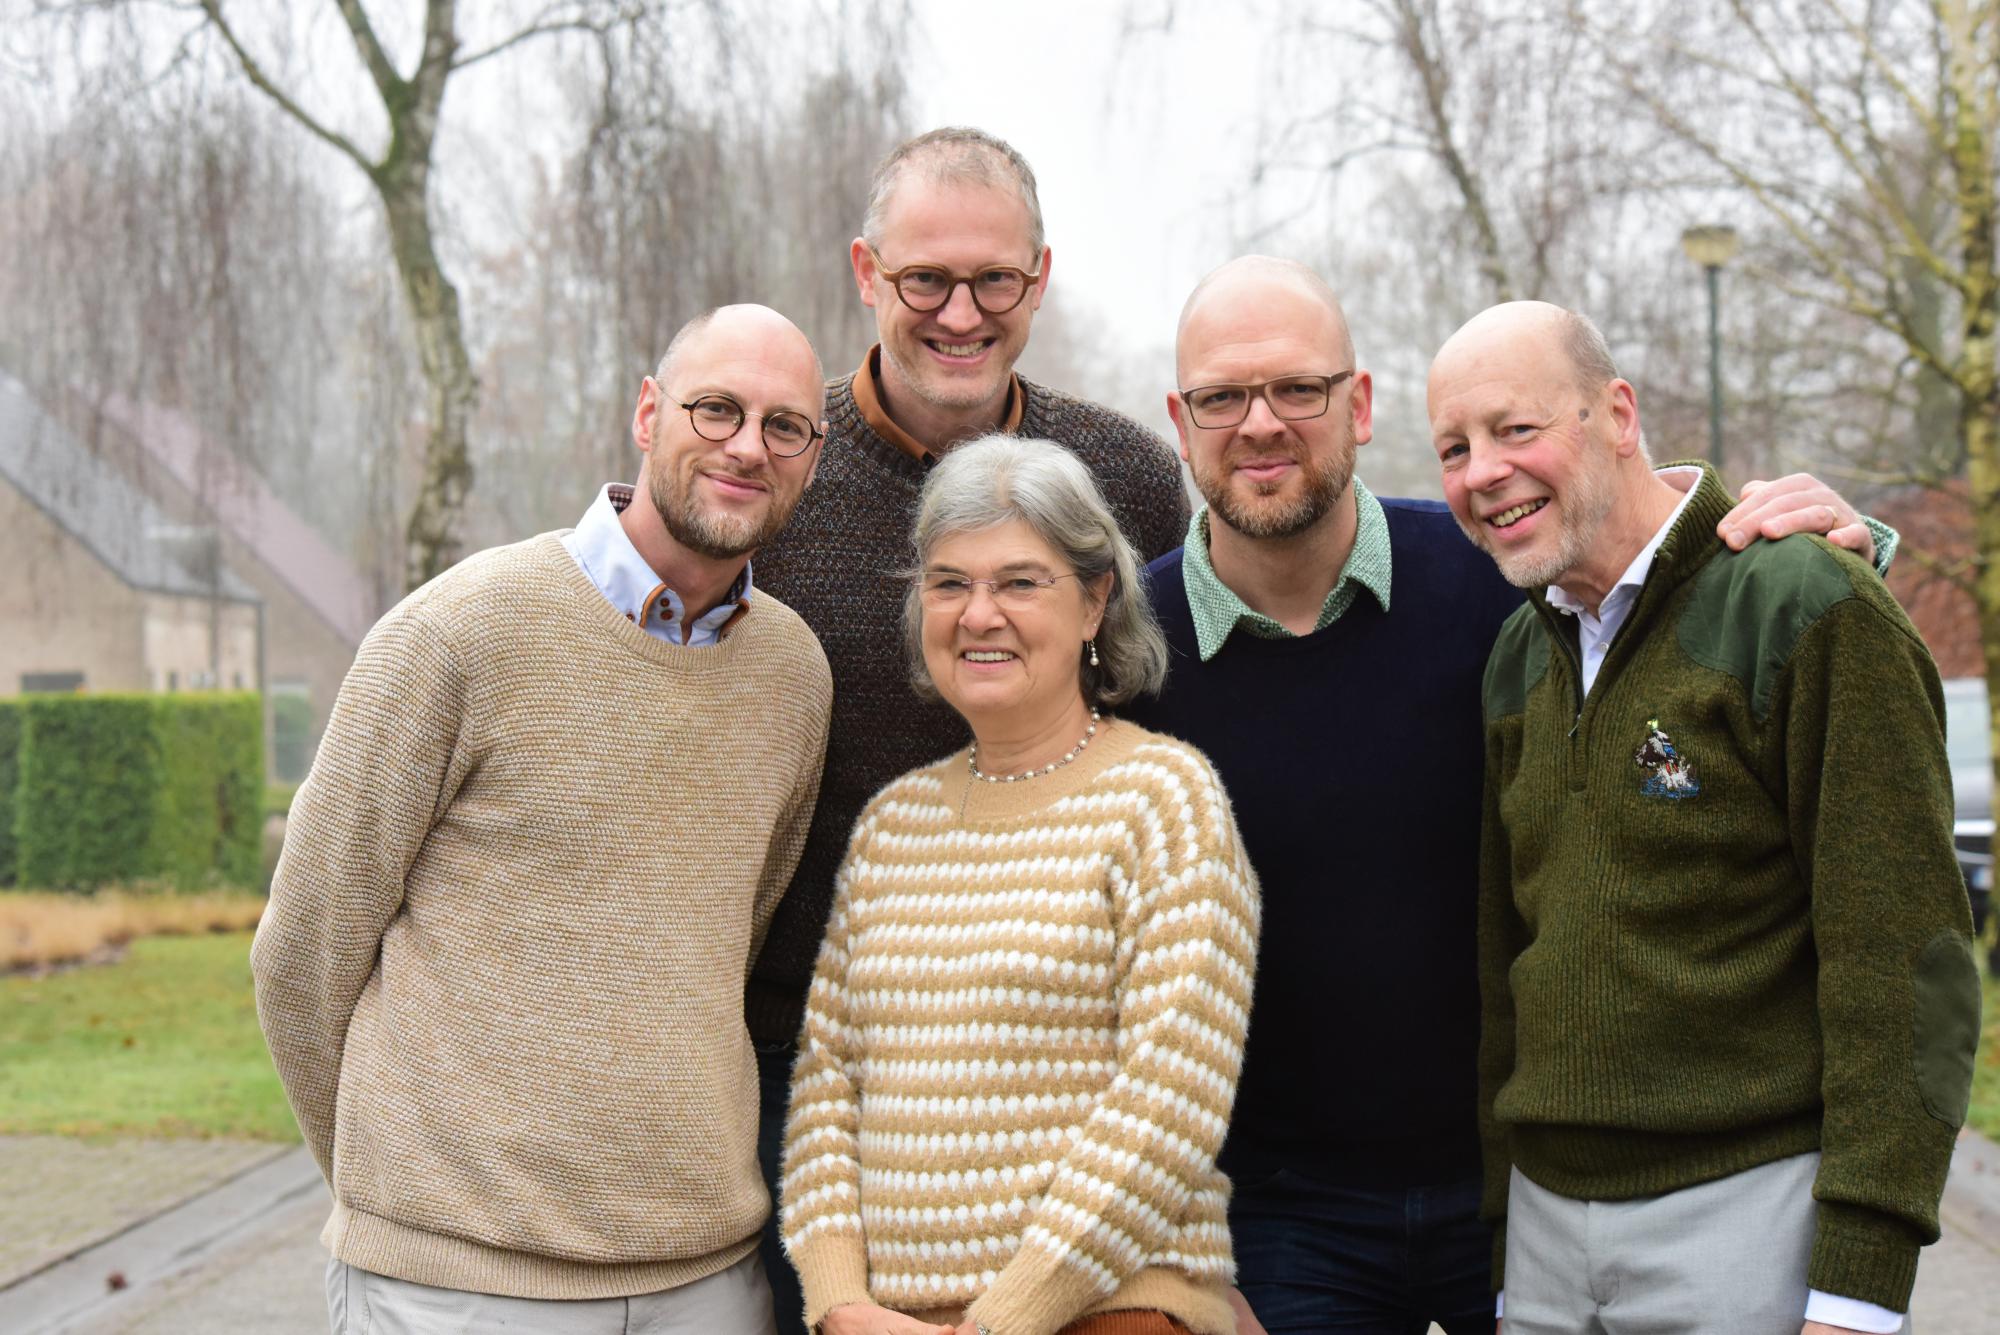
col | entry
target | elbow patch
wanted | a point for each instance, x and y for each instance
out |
(1946, 1019)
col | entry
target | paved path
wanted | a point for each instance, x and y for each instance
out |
(235, 1257)
(63, 1195)
(242, 1257)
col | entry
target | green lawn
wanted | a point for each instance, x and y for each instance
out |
(163, 1043)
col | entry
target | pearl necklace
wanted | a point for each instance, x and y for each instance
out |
(1049, 768)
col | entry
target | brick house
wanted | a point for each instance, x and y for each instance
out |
(104, 589)
(1938, 525)
(317, 604)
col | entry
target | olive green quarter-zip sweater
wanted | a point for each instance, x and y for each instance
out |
(1721, 922)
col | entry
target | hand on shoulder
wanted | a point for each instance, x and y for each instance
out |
(1795, 503)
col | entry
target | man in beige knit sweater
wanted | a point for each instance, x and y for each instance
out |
(564, 786)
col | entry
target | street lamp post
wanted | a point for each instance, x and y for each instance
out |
(1712, 247)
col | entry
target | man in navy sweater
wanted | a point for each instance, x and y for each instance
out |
(1327, 653)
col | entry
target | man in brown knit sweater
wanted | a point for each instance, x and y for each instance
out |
(951, 259)
(562, 790)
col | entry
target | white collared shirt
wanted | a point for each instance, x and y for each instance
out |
(599, 544)
(1596, 630)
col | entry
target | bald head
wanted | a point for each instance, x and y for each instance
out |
(1239, 292)
(747, 323)
(1538, 323)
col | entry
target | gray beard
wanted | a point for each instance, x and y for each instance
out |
(1591, 497)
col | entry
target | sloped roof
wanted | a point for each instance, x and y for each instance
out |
(92, 502)
(243, 505)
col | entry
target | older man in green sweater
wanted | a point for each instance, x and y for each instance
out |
(1730, 1003)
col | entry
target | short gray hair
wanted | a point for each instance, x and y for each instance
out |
(955, 155)
(1583, 343)
(679, 342)
(1590, 357)
(995, 479)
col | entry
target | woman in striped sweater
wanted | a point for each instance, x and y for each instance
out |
(1026, 1023)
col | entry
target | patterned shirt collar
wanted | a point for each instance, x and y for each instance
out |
(622, 575)
(867, 393)
(1218, 610)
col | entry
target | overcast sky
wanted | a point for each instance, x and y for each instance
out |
(1138, 117)
(1136, 144)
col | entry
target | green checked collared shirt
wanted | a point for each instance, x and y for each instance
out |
(1218, 611)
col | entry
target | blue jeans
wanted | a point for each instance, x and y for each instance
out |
(774, 1087)
(1314, 1257)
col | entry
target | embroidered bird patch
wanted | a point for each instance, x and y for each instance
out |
(1668, 773)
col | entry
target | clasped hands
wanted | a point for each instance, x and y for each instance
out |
(869, 1319)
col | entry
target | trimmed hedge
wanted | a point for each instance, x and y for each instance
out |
(132, 787)
(291, 736)
(10, 776)
(211, 819)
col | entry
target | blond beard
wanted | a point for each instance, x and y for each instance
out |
(1324, 486)
(718, 537)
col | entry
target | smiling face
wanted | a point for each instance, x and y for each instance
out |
(1530, 459)
(956, 359)
(722, 499)
(1267, 477)
(996, 663)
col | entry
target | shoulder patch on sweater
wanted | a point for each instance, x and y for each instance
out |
(1750, 609)
(1520, 659)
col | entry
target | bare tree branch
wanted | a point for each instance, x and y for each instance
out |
(545, 27)
(1916, 244)
(264, 84)
(387, 81)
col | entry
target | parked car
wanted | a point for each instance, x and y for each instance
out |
(1967, 743)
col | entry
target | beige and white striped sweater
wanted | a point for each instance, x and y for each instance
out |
(1022, 1044)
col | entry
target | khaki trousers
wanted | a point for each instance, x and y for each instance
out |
(1722, 1258)
(735, 1301)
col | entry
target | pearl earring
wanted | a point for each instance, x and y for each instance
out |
(1093, 651)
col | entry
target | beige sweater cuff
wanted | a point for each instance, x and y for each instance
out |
(832, 1271)
(1035, 1294)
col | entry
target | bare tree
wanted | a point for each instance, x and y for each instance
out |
(1433, 157)
(668, 205)
(1499, 153)
(169, 251)
(400, 175)
(1865, 133)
